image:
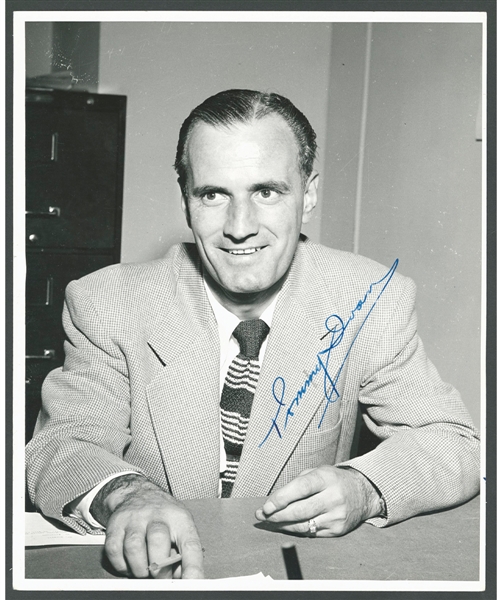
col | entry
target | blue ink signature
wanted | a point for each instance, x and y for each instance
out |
(336, 328)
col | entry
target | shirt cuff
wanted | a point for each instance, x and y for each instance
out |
(80, 507)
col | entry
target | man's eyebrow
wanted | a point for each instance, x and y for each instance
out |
(209, 189)
(272, 184)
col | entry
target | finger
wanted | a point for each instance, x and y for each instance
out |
(300, 511)
(305, 471)
(296, 528)
(325, 526)
(177, 574)
(302, 529)
(189, 545)
(302, 486)
(177, 568)
(158, 545)
(135, 551)
(113, 546)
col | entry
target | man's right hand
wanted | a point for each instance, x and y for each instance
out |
(143, 524)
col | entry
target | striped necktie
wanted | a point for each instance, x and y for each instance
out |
(237, 395)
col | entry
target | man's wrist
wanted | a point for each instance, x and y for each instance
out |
(114, 493)
(373, 502)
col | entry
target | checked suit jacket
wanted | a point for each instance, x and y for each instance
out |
(139, 389)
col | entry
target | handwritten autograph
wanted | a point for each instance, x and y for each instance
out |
(336, 328)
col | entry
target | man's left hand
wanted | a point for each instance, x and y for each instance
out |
(337, 499)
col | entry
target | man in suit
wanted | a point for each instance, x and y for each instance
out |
(144, 412)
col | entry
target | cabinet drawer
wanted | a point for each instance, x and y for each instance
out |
(74, 173)
(48, 274)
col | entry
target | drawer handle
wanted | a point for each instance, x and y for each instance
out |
(54, 211)
(47, 355)
(53, 148)
(49, 291)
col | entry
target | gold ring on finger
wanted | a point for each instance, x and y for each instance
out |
(313, 527)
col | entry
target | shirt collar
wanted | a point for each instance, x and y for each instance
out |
(227, 321)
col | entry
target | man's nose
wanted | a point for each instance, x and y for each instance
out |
(241, 219)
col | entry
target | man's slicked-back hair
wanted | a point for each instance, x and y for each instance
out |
(242, 106)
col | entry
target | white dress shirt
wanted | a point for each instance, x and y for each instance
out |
(229, 348)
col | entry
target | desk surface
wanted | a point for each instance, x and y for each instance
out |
(442, 546)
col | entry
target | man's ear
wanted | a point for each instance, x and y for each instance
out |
(184, 205)
(310, 196)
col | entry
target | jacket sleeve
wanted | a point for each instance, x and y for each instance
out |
(83, 427)
(429, 456)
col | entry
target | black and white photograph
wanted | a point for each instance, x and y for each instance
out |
(249, 301)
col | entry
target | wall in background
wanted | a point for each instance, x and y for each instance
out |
(76, 49)
(59, 47)
(421, 199)
(165, 70)
(343, 133)
(38, 48)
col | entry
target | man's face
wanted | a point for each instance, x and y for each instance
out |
(245, 202)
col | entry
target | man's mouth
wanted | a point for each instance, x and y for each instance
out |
(239, 251)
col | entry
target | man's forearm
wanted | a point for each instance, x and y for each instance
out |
(116, 491)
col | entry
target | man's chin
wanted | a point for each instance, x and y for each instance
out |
(241, 284)
(245, 292)
(242, 289)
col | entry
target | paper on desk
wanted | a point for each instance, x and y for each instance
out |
(41, 532)
(248, 578)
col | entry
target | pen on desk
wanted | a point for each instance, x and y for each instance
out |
(291, 561)
(155, 568)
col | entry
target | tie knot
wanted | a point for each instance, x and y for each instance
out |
(250, 335)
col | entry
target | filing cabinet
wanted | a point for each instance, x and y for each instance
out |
(75, 145)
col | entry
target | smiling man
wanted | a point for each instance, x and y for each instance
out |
(237, 366)
(245, 199)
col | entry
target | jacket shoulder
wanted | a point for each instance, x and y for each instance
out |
(136, 291)
(145, 275)
(333, 265)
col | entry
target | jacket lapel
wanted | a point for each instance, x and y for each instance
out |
(290, 375)
(183, 395)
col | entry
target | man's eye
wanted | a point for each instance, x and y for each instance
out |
(268, 194)
(212, 197)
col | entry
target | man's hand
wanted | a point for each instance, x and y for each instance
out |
(337, 499)
(143, 524)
